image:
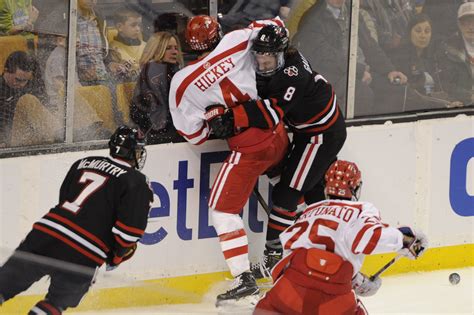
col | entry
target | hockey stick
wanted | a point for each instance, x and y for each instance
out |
(109, 279)
(385, 267)
(261, 201)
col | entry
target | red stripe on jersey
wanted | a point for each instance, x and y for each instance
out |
(373, 241)
(129, 228)
(80, 230)
(284, 213)
(123, 242)
(301, 172)
(196, 73)
(323, 112)
(241, 119)
(196, 134)
(236, 251)
(263, 109)
(359, 237)
(276, 107)
(50, 308)
(277, 227)
(325, 126)
(231, 235)
(43, 229)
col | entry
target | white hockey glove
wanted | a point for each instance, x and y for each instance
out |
(414, 243)
(363, 286)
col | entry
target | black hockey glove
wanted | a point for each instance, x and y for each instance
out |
(221, 121)
(115, 260)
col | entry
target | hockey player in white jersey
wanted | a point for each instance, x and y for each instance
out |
(325, 248)
(225, 74)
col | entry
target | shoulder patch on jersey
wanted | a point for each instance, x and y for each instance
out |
(291, 71)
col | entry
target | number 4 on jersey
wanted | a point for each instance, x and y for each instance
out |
(229, 89)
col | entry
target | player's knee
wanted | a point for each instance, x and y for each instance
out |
(45, 307)
(285, 197)
(226, 222)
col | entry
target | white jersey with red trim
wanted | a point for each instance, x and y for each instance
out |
(349, 229)
(225, 76)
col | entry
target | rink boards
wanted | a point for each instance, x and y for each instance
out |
(419, 173)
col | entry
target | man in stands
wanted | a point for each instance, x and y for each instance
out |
(306, 101)
(21, 86)
(224, 74)
(325, 249)
(102, 213)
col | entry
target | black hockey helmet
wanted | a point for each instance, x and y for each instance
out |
(128, 144)
(271, 40)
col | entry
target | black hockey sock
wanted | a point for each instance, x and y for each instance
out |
(45, 307)
(278, 221)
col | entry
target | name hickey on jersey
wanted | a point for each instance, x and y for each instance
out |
(102, 165)
(213, 74)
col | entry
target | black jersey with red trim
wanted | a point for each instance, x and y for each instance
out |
(102, 211)
(304, 99)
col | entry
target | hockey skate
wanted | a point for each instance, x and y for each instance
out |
(263, 268)
(244, 287)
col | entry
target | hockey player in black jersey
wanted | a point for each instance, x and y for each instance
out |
(101, 214)
(290, 91)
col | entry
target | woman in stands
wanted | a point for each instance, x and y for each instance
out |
(149, 109)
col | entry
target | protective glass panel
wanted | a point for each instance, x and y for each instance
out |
(33, 37)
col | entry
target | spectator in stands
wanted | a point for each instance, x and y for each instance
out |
(456, 60)
(87, 125)
(17, 17)
(92, 50)
(91, 47)
(323, 37)
(390, 18)
(415, 56)
(149, 109)
(21, 101)
(246, 11)
(127, 48)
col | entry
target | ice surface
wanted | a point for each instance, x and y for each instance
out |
(414, 293)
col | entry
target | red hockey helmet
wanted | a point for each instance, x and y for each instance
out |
(343, 180)
(203, 33)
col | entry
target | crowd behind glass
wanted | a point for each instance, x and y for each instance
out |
(412, 56)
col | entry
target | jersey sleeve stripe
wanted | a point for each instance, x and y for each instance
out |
(125, 236)
(272, 112)
(77, 238)
(122, 242)
(327, 108)
(196, 73)
(130, 229)
(266, 115)
(321, 128)
(77, 228)
(198, 137)
(363, 234)
(374, 239)
(68, 242)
